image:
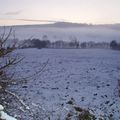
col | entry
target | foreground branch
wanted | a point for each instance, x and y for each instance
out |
(17, 97)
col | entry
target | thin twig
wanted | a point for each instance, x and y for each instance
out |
(38, 72)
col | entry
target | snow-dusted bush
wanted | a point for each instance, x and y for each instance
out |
(7, 60)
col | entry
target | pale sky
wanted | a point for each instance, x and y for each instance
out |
(40, 11)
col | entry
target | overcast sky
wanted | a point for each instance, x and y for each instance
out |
(39, 11)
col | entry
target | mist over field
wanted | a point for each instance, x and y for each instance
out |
(65, 31)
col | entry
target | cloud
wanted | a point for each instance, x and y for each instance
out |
(33, 20)
(13, 12)
(30, 20)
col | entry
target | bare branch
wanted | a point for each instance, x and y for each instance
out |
(38, 72)
(20, 100)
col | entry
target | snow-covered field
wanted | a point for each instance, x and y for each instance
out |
(89, 77)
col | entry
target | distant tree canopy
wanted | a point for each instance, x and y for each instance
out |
(83, 45)
(59, 44)
(114, 45)
(36, 43)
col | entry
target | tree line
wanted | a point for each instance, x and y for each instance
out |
(115, 45)
(37, 43)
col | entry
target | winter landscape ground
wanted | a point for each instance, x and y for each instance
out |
(60, 60)
(87, 77)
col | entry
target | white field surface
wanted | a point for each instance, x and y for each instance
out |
(89, 76)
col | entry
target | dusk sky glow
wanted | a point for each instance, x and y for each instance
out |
(17, 12)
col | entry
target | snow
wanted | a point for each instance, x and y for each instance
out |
(1, 108)
(5, 116)
(89, 76)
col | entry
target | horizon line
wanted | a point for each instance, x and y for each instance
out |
(44, 22)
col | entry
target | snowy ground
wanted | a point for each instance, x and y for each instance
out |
(88, 76)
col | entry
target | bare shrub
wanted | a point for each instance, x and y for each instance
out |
(7, 59)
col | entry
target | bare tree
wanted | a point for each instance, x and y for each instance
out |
(7, 59)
